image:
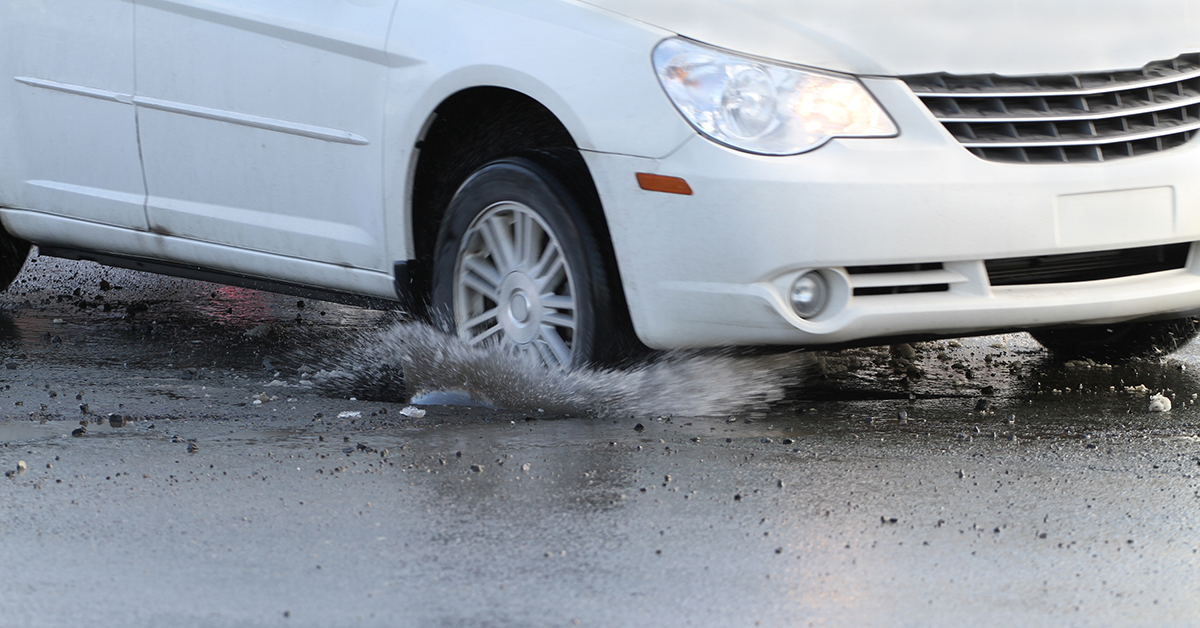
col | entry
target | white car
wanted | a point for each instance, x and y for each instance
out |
(581, 178)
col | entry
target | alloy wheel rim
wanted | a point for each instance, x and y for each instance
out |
(513, 286)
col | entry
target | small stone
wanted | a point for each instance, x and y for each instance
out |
(477, 468)
(525, 467)
(22, 467)
(116, 420)
(639, 428)
(192, 448)
(79, 431)
(983, 405)
(1160, 403)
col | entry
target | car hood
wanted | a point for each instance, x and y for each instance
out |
(890, 37)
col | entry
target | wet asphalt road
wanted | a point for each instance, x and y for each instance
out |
(892, 489)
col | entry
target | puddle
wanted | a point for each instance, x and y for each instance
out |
(16, 432)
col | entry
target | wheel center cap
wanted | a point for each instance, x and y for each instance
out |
(518, 306)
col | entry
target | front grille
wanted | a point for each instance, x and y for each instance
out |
(1068, 118)
(1075, 267)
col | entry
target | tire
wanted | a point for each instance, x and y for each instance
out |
(1120, 341)
(516, 264)
(13, 252)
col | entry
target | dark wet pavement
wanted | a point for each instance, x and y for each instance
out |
(990, 486)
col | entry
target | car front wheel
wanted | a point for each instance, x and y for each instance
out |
(517, 265)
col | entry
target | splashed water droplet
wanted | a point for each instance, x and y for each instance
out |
(411, 359)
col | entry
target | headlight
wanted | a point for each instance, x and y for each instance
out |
(762, 107)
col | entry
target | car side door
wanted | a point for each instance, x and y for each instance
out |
(68, 129)
(261, 126)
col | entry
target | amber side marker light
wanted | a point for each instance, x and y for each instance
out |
(662, 183)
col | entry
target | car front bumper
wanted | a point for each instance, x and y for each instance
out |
(714, 268)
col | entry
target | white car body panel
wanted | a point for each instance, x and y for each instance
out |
(280, 107)
(67, 122)
(279, 140)
(870, 37)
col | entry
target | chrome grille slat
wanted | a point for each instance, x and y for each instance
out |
(1081, 115)
(1082, 140)
(1033, 90)
(1068, 118)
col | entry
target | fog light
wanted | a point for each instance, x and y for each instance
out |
(809, 294)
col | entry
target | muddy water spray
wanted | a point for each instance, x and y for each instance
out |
(411, 358)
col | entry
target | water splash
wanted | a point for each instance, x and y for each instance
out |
(407, 359)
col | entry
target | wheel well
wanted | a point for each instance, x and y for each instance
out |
(477, 126)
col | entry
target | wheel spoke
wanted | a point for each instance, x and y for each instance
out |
(489, 315)
(486, 334)
(544, 353)
(527, 231)
(559, 319)
(553, 274)
(479, 286)
(498, 239)
(480, 275)
(558, 301)
(549, 256)
(556, 345)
